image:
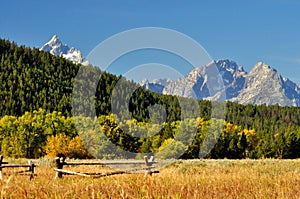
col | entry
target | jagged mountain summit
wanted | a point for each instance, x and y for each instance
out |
(202, 83)
(56, 47)
(262, 85)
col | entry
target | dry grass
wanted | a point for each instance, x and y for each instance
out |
(182, 179)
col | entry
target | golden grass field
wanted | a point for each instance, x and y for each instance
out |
(183, 179)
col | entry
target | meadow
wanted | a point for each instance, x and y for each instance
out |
(268, 178)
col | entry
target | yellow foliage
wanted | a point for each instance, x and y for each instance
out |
(76, 149)
(200, 122)
(248, 133)
(64, 145)
(166, 143)
(57, 145)
(231, 128)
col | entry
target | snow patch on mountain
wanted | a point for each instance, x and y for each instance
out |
(56, 47)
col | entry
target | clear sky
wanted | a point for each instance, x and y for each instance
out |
(243, 31)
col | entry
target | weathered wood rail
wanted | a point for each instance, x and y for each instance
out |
(148, 165)
(30, 168)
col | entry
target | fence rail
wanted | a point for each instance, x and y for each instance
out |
(29, 172)
(60, 162)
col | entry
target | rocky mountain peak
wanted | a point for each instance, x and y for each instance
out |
(55, 40)
(262, 67)
(56, 47)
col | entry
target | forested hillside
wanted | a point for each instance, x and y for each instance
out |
(36, 114)
(33, 79)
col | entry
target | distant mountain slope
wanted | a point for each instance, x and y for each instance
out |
(56, 47)
(262, 85)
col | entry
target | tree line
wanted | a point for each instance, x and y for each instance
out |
(39, 134)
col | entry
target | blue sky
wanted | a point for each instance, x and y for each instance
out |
(246, 32)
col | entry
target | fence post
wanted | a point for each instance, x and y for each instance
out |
(148, 168)
(31, 169)
(1, 159)
(59, 165)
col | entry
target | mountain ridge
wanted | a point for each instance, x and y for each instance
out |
(261, 85)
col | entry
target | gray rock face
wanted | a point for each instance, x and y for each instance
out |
(262, 85)
(157, 85)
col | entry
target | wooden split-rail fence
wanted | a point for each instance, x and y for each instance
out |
(147, 166)
(30, 168)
